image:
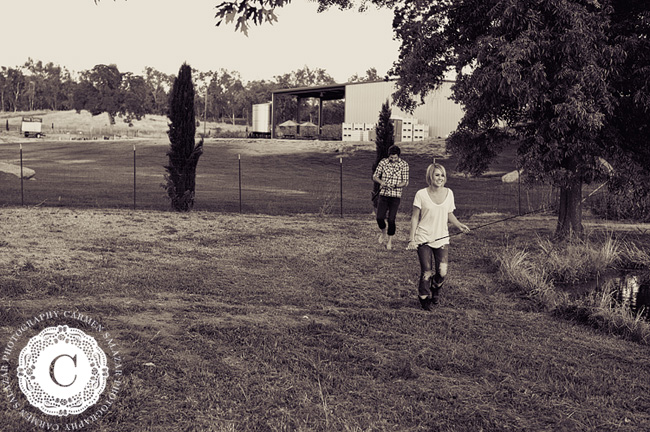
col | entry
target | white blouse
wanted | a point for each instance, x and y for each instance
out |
(433, 226)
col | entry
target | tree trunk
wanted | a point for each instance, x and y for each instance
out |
(16, 96)
(569, 222)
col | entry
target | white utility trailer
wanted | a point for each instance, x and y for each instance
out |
(32, 127)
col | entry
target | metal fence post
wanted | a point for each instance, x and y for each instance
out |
(519, 190)
(22, 190)
(134, 184)
(341, 183)
(239, 160)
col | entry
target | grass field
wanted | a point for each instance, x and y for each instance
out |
(290, 318)
(277, 177)
(256, 322)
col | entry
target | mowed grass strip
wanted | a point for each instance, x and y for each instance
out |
(234, 322)
(277, 177)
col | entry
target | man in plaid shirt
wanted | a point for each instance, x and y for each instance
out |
(392, 175)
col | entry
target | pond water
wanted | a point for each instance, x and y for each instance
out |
(633, 291)
(630, 289)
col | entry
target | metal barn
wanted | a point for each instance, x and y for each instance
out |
(363, 102)
(439, 115)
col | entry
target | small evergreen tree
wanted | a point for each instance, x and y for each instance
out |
(383, 140)
(183, 153)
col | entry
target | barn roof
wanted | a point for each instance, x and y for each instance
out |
(325, 92)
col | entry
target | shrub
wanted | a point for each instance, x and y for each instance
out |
(622, 205)
(332, 132)
(218, 132)
(384, 140)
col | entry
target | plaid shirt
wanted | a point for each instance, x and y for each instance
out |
(392, 173)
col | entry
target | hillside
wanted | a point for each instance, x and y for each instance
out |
(83, 125)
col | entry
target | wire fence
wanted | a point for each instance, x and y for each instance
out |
(131, 174)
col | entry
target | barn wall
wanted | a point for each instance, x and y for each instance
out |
(363, 103)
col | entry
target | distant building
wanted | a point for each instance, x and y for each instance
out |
(437, 117)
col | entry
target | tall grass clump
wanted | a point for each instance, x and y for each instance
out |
(537, 275)
(634, 257)
(560, 263)
(600, 310)
(577, 260)
(517, 270)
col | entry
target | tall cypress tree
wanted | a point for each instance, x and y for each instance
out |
(183, 153)
(383, 140)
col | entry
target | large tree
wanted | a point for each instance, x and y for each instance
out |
(159, 85)
(134, 100)
(15, 83)
(183, 153)
(371, 75)
(4, 84)
(100, 90)
(560, 79)
(51, 79)
(534, 73)
(629, 127)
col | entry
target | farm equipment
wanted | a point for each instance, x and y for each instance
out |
(32, 127)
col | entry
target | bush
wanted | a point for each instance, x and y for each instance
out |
(332, 132)
(226, 133)
(622, 205)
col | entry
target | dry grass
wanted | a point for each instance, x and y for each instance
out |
(633, 256)
(70, 124)
(248, 323)
(232, 322)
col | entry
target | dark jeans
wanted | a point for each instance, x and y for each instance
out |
(387, 205)
(433, 268)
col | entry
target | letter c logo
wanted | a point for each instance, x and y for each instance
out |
(74, 361)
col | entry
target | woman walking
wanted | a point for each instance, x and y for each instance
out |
(433, 209)
(392, 175)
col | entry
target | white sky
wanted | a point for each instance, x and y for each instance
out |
(77, 35)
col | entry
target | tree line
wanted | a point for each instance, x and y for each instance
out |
(220, 95)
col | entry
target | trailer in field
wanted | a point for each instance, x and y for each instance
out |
(32, 127)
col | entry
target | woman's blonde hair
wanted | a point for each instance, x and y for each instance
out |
(431, 169)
